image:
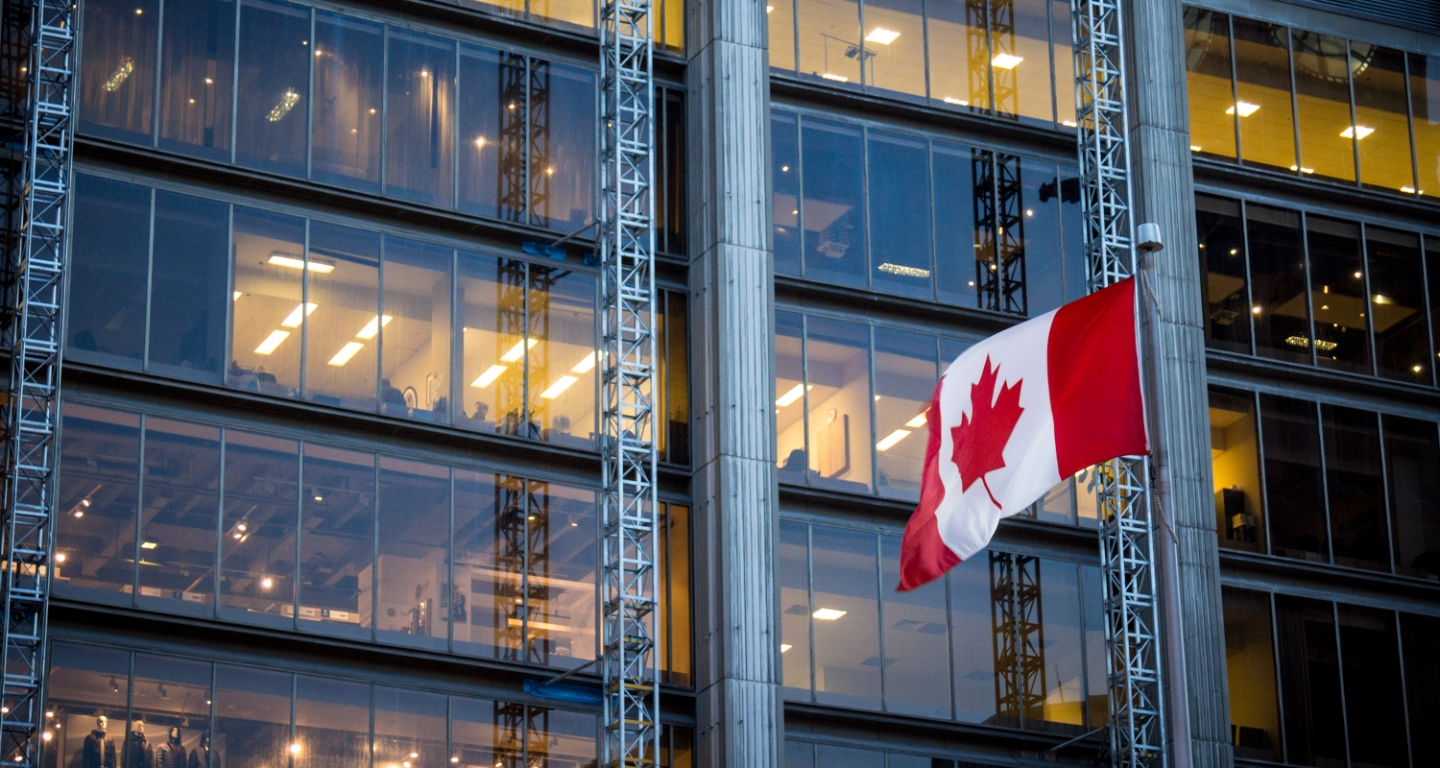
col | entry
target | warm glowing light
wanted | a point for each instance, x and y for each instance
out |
(47, 736)
(1416, 368)
(267, 583)
(792, 395)
(488, 377)
(236, 296)
(554, 390)
(918, 421)
(479, 142)
(121, 73)
(1007, 60)
(1255, 309)
(586, 365)
(785, 647)
(148, 545)
(1245, 108)
(828, 614)
(882, 36)
(295, 748)
(373, 327)
(1357, 275)
(287, 102)
(346, 352)
(1194, 147)
(271, 342)
(1408, 190)
(284, 260)
(1069, 123)
(891, 439)
(1382, 299)
(836, 78)
(1357, 132)
(79, 513)
(518, 350)
(292, 320)
(956, 102)
(59, 557)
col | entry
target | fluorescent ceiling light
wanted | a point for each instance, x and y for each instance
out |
(346, 352)
(1194, 147)
(586, 365)
(1380, 299)
(292, 320)
(373, 327)
(518, 350)
(784, 647)
(793, 395)
(271, 342)
(882, 36)
(292, 261)
(489, 376)
(237, 295)
(836, 78)
(1357, 132)
(558, 387)
(956, 102)
(1069, 123)
(828, 614)
(769, 8)
(1408, 190)
(1245, 108)
(918, 421)
(891, 439)
(1007, 60)
(148, 545)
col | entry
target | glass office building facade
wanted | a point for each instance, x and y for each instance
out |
(329, 472)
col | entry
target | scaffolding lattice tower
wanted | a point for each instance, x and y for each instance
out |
(629, 512)
(1018, 636)
(1137, 719)
(34, 293)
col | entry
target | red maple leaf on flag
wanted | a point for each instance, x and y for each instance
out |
(981, 437)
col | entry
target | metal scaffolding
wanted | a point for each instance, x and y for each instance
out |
(629, 519)
(34, 288)
(1017, 630)
(1132, 617)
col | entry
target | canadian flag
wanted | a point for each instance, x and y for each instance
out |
(1016, 414)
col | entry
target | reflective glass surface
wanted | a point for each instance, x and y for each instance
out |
(846, 627)
(785, 192)
(197, 60)
(1310, 691)
(1355, 488)
(1294, 499)
(273, 103)
(1225, 288)
(830, 46)
(345, 139)
(1411, 454)
(258, 529)
(1397, 304)
(95, 547)
(905, 377)
(1378, 76)
(268, 309)
(1279, 287)
(1263, 103)
(117, 75)
(832, 210)
(413, 565)
(838, 401)
(414, 330)
(89, 690)
(337, 550)
(1250, 669)
(420, 118)
(1208, 82)
(1425, 120)
(894, 44)
(1235, 463)
(916, 637)
(187, 291)
(1337, 296)
(179, 506)
(342, 317)
(900, 236)
(1322, 101)
(110, 261)
(331, 728)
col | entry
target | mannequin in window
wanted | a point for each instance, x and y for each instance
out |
(171, 754)
(200, 755)
(99, 749)
(137, 753)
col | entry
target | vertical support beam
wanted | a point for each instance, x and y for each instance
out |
(1164, 194)
(732, 310)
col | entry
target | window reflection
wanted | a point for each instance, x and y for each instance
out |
(846, 614)
(1066, 699)
(577, 13)
(674, 576)
(413, 564)
(332, 724)
(790, 389)
(483, 599)
(117, 77)
(959, 53)
(785, 197)
(342, 318)
(562, 145)
(780, 14)
(560, 581)
(562, 357)
(957, 234)
(1338, 296)
(795, 609)
(252, 716)
(1355, 488)
(268, 310)
(838, 401)
(1310, 681)
(900, 214)
(410, 727)
(1397, 304)
(111, 270)
(493, 337)
(99, 491)
(1250, 669)
(1421, 638)
(489, 166)
(420, 118)
(1374, 697)
(916, 636)
(257, 536)
(1262, 105)
(1035, 217)
(833, 212)
(1020, 60)
(973, 660)
(337, 550)
(1322, 100)
(673, 374)
(905, 377)
(187, 292)
(477, 737)
(346, 136)
(1294, 499)
(415, 330)
(1382, 124)
(1222, 256)
(273, 90)
(88, 689)
(570, 742)
(1412, 454)
(1235, 461)
(179, 509)
(196, 78)
(1279, 286)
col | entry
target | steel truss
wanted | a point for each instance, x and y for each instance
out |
(1018, 634)
(1137, 733)
(34, 291)
(629, 512)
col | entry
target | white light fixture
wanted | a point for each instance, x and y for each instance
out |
(828, 614)
(121, 73)
(236, 296)
(346, 352)
(373, 327)
(271, 342)
(555, 390)
(792, 395)
(281, 259)
(1381, 299)
(1357, 132)
(148, 545)
(480, 142)
(1245, 108)
(267, 583)
(488, 377)
(292, 320)
(518, 350)
(1069, 123)
(882, 36)
(769, 9)
(956, 102)
(891, 439)
(784, 647)
(1006, 60)
(1408, 190)
(1194, 147)
(836, 78)
(918, 421)
(287, 102)
(904, 271)
(586, 365)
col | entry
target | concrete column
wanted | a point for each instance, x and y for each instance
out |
(732, 352)
(1165, 194)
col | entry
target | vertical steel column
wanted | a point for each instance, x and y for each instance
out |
(629, 519)
(34, 313)
(1137, 732)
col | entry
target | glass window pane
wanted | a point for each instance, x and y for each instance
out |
(794, 553)
(1359, 532)
(88, 690)
(274, 86)
(1432, 275)
(1310, 681)
(1061, 656)
(1036, 222)
(564, 13)
(1322, 99)
(332, 724)
(562, 357)
(1072, 226)
(1250, 669)
(342, 318)
(172, 700)
(269, 267)
(672, 332)
(1020, 57)
(111, 255)
(917, 642)
(670, 27)
(781, 17)
(1097, 693)
(1063, 60)
(414, 560)
(1293, 498)
(487, 576)
(1411, 458)
(846, 613)
(504, 7)
(959, 53)
(675, 585)
(561, 578)
(196, 78)
(565, 739)
(562, 145)
(1267, 123)
(348, 80)
(477, 737)
(837, 357)
(785, 176)
(1222, 258)
(799, 754)
(671, 155)
(973, 648)
(1374, 696)
(833, 211)
(492, 339)
(1208, 83)
(410, 727)
(252, 716)
(420, 119)
(849, 757)
(1278, 287)
(1235, 460)
(830, 39)
(187, 295)
(492, 169)
(895, 46)
(1425, 117)
(257, 549)
(1380, 108)
(1339, 303)
(1398, 303)
(117, 77)
(181, 507)
(99, 490)
(1421, 637)
(790, 391)
(415, 355)
(900, 214)
(956, 212)
(337, 548)
(905, 377)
